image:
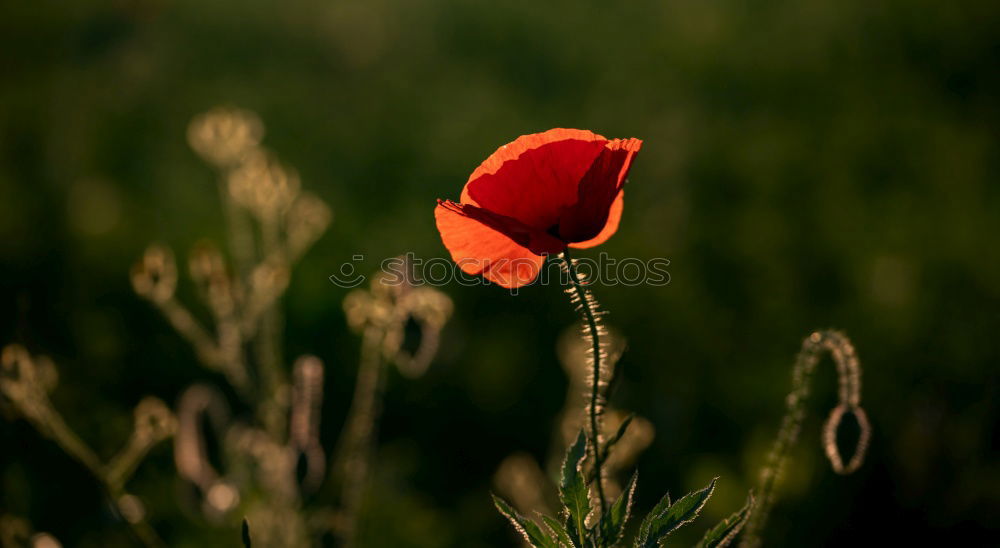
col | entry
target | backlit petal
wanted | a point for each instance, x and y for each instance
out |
(536, 177)
(598, 189)
(481, 249)
(610, 227)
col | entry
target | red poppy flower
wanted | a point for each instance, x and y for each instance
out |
(533, 197)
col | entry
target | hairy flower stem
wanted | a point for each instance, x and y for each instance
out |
(582, 294)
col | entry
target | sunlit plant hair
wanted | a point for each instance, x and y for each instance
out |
(848, 367)
(520, 478)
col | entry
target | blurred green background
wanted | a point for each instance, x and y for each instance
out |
(806, 164)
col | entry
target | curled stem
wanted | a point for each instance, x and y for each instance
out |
(849, 395)
(582, 297)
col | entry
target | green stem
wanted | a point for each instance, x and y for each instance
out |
(582, 295)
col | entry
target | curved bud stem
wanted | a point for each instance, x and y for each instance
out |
(849, 395)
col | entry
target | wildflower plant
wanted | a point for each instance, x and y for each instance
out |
(275, 459)
(271, 460)
(541, 196)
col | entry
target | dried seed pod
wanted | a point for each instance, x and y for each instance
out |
(208, 270)
(21, 385)
(223, 135)
(431, 309)
(358, 308)
(307, 219)
(154, 276)
(205, 262)
(154, 421)
(269, 279)
(263, 186)
(16, 365)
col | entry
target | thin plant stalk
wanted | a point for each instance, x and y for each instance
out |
(359, 433)
(239, 231)
(64, 436)
(587, 304)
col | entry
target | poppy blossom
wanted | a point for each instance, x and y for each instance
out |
(533, 197)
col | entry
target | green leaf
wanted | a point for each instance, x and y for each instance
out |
(613, 524)
(560, 532)
(679, 513)
(573, 490)
(246, 533)
(617, 437)
(530, 530)
(724, 533)
(647, 522)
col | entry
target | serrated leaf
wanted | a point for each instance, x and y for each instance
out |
(647, 522)
(573, 490)
(622, 428)
(559, 531)
(679, 513)
(613, 523)
(528, 529)
(722, 534)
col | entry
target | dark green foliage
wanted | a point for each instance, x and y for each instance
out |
(558, 530)
(531, 532)
(613, 524)
(724, 533)
(573, 490)
(575, 495)
(657, 526)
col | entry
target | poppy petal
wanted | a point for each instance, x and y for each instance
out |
(536, 177)
(610, 227)
(481, 249)
(598, 189)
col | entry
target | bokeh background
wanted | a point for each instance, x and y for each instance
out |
(806, 164)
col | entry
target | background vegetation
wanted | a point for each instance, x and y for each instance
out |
(807, 164)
